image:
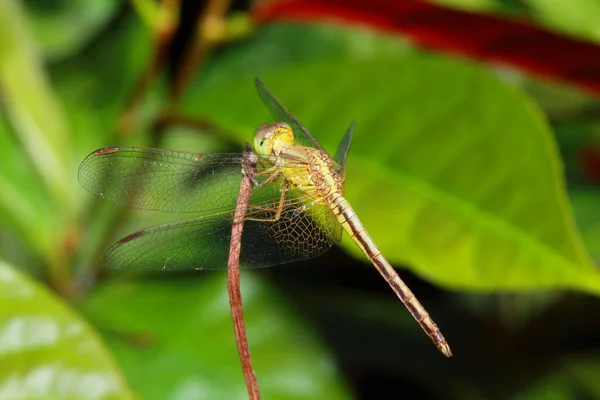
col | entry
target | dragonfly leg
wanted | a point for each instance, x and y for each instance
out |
(284, 189)
(267, 171)
(273, 177)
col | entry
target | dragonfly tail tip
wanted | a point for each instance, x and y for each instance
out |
(445, 349)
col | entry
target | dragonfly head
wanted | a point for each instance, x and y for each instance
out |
(269, 138)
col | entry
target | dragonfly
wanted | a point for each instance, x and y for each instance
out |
(297, 209)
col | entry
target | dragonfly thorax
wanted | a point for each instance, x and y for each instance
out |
(269, 139)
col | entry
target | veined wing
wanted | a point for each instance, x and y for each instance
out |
(281, 113)
(164, 180)
(341, 155)
(305, 229)
(302, 135)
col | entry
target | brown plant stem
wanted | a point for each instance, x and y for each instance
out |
(210, 33)
(233, 272)
(205, 126)
(164, 29)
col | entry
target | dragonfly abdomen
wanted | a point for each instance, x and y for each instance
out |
(349, 220)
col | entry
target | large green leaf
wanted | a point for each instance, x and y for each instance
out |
(47, 351)
(452, 171)
(174, 339)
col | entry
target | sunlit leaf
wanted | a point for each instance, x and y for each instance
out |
(473, 5)
(452, 171)
(47, 351)
(277, 46)
(574, 17)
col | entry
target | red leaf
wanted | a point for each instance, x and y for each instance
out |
(478, 36)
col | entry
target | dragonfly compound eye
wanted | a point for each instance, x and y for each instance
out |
(265, 132)
(263, 138)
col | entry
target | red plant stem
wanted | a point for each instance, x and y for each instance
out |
(233, 273)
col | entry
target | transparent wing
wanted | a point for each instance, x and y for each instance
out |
(164, 180)
(304, 230)
(280, 113)
(341, 154)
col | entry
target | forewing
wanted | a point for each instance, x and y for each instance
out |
(163, 180)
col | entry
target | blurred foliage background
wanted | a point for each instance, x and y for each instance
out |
(478, 180)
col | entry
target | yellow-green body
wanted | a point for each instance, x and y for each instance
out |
(314, 173)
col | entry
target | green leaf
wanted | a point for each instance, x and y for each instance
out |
(585, 204)
(574, 17)
(23, 201)
(47, 351)
(30, 103)
(452, 171)
(150, 12)
(174, 339)
(473, 5)
(574, 378)
(86, 18)
(285, 45)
